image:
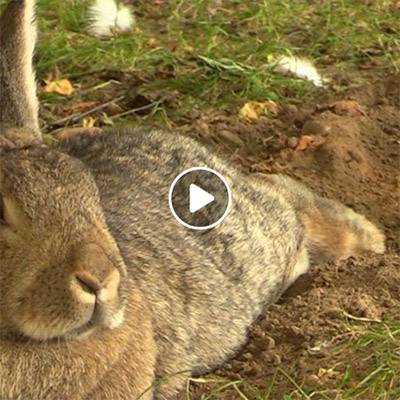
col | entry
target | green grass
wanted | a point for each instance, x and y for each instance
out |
(217, 57)
(376, 346)
(336, 34)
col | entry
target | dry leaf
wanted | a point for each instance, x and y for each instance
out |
(88, 122)
(230, 137)
(253, 110)
(304, 142)
(79, 106)
(351, 107)
(61, 86)
(152, 42)
(327, 373)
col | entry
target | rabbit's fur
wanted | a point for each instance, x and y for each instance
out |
(103, 295)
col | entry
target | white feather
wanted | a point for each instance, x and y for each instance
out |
(300, 67)
(107, 17)
(125, 19)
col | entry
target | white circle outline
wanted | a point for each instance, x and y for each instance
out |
(214, 224)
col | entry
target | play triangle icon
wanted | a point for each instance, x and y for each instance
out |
(198, 198)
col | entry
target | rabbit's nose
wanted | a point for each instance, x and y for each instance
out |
(88, 282)
(105, 289)
(93, 274)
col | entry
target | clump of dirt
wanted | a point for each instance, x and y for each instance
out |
(363, 305)
(351, 153)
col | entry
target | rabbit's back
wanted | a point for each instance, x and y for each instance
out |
(205, 287)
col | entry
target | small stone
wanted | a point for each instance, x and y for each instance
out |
(364, 306)
(247, 356)
(270, 342)
(291, 108)
(302, 364)
(203, 128)
(292, 142)
(319, 349)
(295, 330)
(277, 360)
(194, 114)
(236, 366)
(113, 109)
(313, 380)
(231, 137)
(312, 127)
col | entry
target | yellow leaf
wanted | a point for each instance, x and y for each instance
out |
(88, 122)
(327, 373)
(253, 110)
(61, 86)
(152, 42)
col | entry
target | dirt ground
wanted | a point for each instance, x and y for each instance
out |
(345, 147)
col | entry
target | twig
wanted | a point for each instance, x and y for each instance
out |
(78, 116)
(362, 319)
(134, 110)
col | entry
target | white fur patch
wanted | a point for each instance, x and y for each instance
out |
(117, 319)
(107, 17)
(300, 268)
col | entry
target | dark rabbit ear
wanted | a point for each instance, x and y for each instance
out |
(18, 99)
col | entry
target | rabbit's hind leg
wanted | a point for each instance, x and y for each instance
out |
(333, 231)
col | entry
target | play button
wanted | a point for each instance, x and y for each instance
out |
(200, 198)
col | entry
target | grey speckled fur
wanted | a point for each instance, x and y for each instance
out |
(214, 282)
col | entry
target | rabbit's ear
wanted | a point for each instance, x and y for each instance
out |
(18, 99)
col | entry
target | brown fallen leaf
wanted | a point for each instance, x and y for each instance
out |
(152, 42)
(79, 106)
(371, 64)
(231, 137)
(304, 142)
(61, 86)
(253, 110)
(351, 107)
(327, 373)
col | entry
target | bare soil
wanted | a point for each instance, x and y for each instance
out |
(351, 154)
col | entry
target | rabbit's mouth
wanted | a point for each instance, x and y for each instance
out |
(101, 319)
(102, 302)
(105, 312)
(94, 319)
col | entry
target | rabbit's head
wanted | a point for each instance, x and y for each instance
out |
(61, 273)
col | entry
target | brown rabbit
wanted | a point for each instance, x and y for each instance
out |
(103, 295)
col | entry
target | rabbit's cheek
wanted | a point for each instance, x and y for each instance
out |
(69, 306)
(42, 317)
